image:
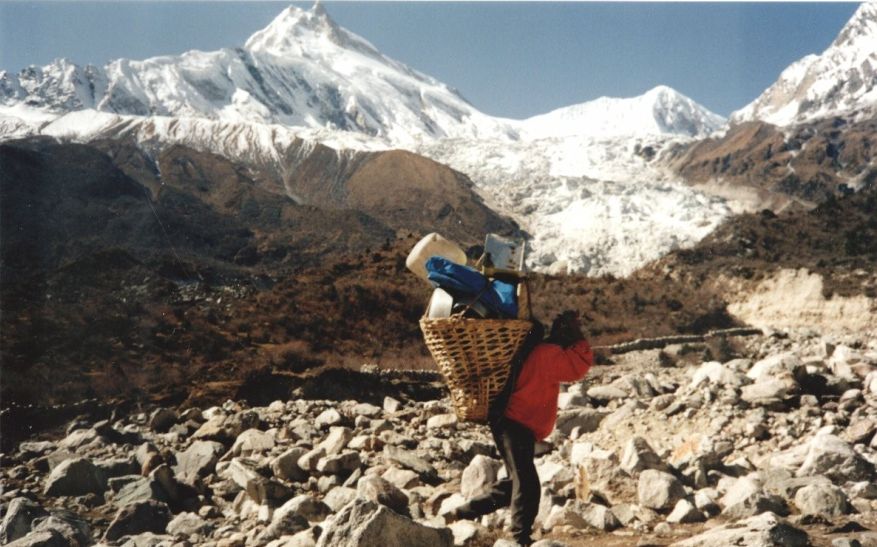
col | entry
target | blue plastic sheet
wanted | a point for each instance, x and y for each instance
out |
(498, 296)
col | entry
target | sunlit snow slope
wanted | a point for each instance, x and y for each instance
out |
(842, 80)
(580, 180)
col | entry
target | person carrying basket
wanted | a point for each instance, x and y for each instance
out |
(526, 413)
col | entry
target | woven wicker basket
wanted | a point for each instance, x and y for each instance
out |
(474, 356)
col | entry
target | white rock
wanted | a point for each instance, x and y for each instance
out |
(658, 490)
(478, 476)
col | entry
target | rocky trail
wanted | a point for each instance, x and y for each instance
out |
(762, 440)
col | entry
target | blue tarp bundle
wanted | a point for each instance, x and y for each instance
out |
(499, 296)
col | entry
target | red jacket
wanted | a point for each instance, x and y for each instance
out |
(533, 403)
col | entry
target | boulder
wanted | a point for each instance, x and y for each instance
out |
(252, 441)
(756, 504)
(44, 538)
(162, 419)
(409, 460)
(336, 440)
(338, 497)
(767, 392)
(659, 490)
(285, 466)
(607, 393)
(442, 421)
(598, 517)
(339, 464)
(822, 499)
(328, 418)
(147, 516)
(75, 477)
(638, 456)
(197, 461)
(66, 523)
(188, 524)
(773, 365)
(402, 478)
(685, 512)
(139, 490)
(713, 372)
(479, 476)
(374, 488)
(587, 420)
(306, 506)
(364, 523)
(764, 530)
(17, 522)
(831, 456)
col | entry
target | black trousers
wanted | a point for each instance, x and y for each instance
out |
(521, 489)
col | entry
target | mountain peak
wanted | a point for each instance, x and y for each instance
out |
(861, 26)
(294, 27)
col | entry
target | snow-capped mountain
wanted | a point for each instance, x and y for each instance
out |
(661, 110)
(843, 79)
(578, 179)
(302, 70)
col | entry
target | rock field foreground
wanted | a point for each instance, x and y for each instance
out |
(774, 445)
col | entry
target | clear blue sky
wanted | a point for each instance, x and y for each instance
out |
(508, 59)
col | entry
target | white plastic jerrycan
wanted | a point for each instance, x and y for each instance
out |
(433, 245)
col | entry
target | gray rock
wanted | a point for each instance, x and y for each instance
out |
(659, 490)
(374, 488)
(685, 512)
(756, 504)
(766, 392)
(478, 476)
(861, 431)
(339, 464)
(305, 506)
(638, 456)
(741, 489)
(599, 517)
(713, 372)
(117, 467)
(586, 419)
(442, 421)
(140, 490)
(336, 440)
(830, 456)
(252, 441)
(148, 516)
(197, 461)
(822, 499)
(402, 478)
(75, 477)
(367, 410)
(466, 532)
(285, 466)
(188, 524)
(285, 521)
(338, 497)
(408, 460)
(607, 393)
(44, 538)
(772, 366)
(764, 530)
(391, 405)
(17, 522)
(328, 418)
(365, 523)
(162, 420)
(70, 526)
(309, 460)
